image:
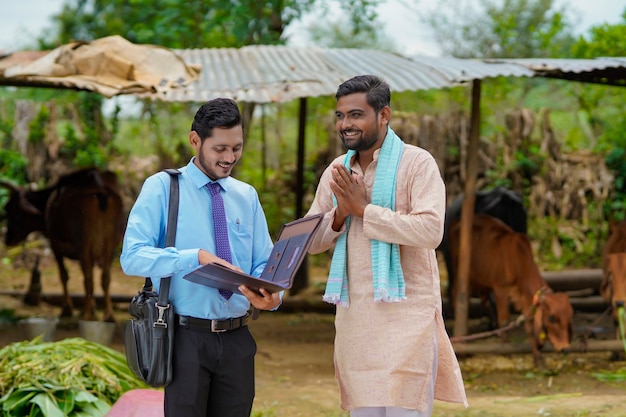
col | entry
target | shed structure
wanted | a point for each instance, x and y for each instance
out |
(271, 74)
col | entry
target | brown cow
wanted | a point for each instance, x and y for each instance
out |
(613, 286)
(82, 217)
(502, 263)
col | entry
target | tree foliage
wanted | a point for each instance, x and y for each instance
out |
(605, 41)
(602, 40)
(194, 24)
(338, 35)
(502, 29)
(177, 24)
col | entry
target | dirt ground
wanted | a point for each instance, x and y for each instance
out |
(295, 361)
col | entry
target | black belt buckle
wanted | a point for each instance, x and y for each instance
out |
(215, 329)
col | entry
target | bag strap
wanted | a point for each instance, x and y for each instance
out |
(170, 235)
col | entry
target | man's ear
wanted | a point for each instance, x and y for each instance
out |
(194, 140)
(385, 115)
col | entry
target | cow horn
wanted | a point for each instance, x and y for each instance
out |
(9, 185)
(28, 206)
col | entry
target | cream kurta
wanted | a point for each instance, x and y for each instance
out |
(384, 351)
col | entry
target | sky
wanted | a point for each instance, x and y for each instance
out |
(22, 20)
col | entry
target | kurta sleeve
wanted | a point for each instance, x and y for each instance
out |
(325, 237)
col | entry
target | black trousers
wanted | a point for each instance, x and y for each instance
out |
(213, 373)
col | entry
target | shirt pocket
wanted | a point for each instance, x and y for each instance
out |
(242, 244)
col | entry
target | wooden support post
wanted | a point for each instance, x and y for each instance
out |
(461, 310)
(301, 281)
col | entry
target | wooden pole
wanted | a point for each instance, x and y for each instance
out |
(509, 348)
(461, 310)
(301, 280)
(300, 158)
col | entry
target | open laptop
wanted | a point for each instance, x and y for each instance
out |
(287, 255)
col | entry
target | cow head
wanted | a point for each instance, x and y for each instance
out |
(553, 320)
(613, 287)
(22, 215)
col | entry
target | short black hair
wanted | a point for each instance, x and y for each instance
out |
(377, 89)
(219, 112)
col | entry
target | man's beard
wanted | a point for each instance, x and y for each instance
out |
(364, 143)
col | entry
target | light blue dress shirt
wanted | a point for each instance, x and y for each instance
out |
(143, 254)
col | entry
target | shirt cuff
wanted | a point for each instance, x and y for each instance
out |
(332, 220)
(281, 301)
(189, 259)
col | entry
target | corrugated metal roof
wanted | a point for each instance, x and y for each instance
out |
(260, 74)
(267, 73)
(606, 70)
(620, 59)
(464, 70)
(401, 73)
(564, 65)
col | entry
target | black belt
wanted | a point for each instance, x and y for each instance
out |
(216, 326)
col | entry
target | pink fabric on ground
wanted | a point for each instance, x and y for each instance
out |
(138, 403)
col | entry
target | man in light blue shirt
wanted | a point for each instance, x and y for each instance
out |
(213, 371)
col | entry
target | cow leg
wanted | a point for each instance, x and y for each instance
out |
(502, 309)
(493, 312)
(532, 337)
(617, 355)
(33, 295)
(68, 306)
(106, 281)
(89, 309)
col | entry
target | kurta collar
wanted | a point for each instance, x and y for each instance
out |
(357, 168)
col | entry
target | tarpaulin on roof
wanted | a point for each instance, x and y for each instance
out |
(109, 66)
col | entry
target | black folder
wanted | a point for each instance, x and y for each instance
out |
(287, 255)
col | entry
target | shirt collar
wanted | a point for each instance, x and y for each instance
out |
(200, 179)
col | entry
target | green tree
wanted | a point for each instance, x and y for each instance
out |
(603, 108)
(601, 105)
(178, 24)
(190, 24)
(602, 40)
(502, 29)
(358, 27)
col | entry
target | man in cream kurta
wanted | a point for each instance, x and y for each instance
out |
(391, 357)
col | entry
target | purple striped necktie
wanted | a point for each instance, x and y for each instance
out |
(222, 245)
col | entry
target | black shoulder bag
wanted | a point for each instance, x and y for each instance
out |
(149, 335)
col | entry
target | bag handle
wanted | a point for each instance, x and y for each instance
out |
(170, 236)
